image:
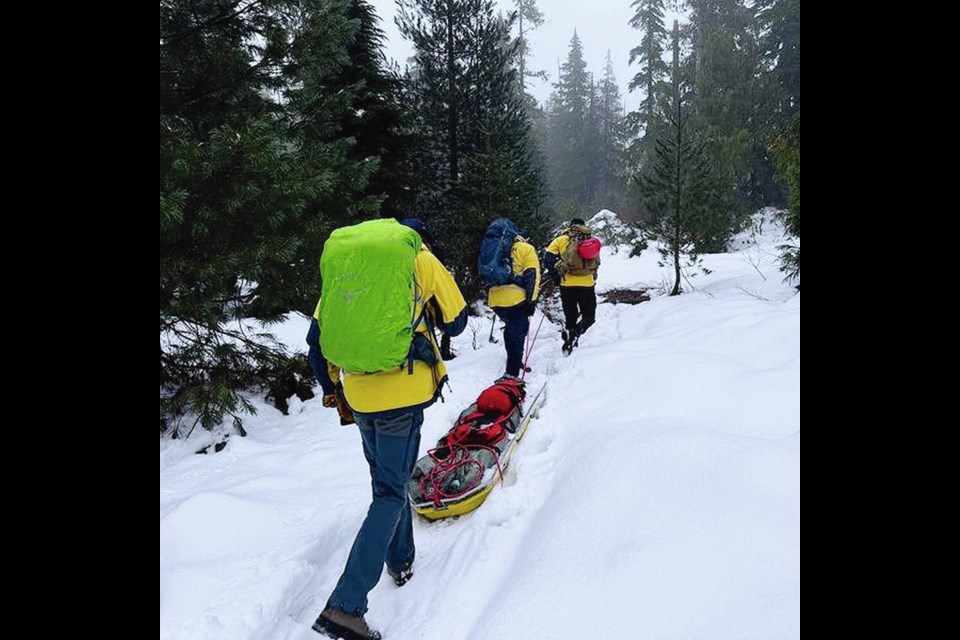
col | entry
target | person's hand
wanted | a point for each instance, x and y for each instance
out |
(330, 400)
(346, 413)
(530, 306)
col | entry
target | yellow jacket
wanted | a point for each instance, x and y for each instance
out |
(524, 257)
(557, 247)
(397, 388)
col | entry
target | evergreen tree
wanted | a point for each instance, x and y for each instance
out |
(787, 151)
(440, 33)
(779, 21)
(780, 47)
(641, 123)
(569, 148)
(649, 55)
(611, 189)
(528, 18)
(375, 121)
(682, 191)
(474, 146)
(255, 170)
(584, 138)
(730, 103)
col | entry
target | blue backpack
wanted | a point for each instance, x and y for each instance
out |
(494, 265)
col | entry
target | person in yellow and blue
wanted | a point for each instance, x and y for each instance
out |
(388, 408)
(516, 301)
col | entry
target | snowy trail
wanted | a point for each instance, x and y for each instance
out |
(656, 496)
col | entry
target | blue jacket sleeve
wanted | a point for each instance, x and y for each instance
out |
(317, 362)
(455, 327)
(549, 263)
(528, 281)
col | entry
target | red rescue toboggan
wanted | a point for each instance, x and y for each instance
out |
(458, 474)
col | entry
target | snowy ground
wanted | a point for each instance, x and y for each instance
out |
(657, 496)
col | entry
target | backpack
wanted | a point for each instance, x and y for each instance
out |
(501, 398)
(570, 258)
(490, 423)
(494, 265)
(367, 304)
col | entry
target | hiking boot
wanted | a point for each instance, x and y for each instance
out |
(567, 347)
(338, 624)
(401, 577)
(507, 376)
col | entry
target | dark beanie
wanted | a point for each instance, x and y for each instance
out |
(574, 221)
(420, 228)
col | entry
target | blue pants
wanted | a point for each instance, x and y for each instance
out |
(514, 335)
(391, 440)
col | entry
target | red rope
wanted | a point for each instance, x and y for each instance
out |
(458, 457)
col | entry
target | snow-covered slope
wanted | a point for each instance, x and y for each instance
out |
(657, 496)
(611, 230)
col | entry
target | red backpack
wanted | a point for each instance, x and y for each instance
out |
(484, 426)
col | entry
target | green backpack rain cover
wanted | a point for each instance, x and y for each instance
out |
(366, 306)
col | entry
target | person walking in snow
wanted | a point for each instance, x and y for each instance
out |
(328, 374)
(571, 261)
(516, 301)
(387, 400)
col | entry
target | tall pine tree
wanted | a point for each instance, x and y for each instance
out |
(779, 21)
(474, 148)
(780, 47)
(255, 169)
(730, 103)
(528, 18)
(649, 56)
(584, 139)
(570, 138)
(375, 121)
(611, 189)
(682, 192)
(786, 150)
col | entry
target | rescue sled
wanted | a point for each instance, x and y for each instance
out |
(457, 475)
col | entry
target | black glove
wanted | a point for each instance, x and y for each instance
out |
(530, 306)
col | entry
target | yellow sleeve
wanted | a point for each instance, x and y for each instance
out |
(529, 260)
(436, 282)
(557, 246)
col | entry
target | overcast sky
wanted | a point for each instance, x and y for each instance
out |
(601, 25)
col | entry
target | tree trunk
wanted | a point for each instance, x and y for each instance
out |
(677, 194)
(452, 116)
(676, 265)
(523, 58)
